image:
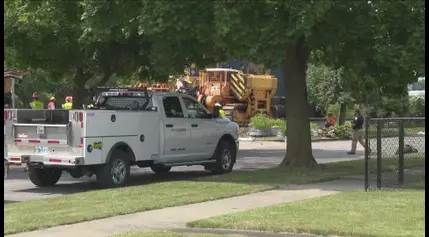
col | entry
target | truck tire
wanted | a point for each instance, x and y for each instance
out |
(116, 172)
(44, 177)
(225, 156)
(160, 169)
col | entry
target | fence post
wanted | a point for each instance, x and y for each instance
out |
(401, 154)
(366, 152)
(379, 127)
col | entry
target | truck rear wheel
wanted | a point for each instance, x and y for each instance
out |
(225, 156)
(160, 169)
(44, 177)
(116, 172)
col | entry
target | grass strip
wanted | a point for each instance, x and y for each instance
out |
(97, 204)
(357, 213)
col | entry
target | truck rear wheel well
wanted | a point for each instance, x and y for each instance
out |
(124, 147)
(228, 138)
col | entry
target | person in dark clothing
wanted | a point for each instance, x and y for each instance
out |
(7, 101)
(357, 126)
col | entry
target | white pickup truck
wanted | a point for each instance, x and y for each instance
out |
(125, 128)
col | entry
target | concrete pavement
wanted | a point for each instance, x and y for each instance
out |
(177, 217)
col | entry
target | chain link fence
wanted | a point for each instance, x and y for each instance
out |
(395, 153)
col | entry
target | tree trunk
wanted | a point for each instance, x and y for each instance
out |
(105, 78)
(78, 92)
(298, 148)
(343, 110)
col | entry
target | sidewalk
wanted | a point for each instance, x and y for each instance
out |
(177, 217)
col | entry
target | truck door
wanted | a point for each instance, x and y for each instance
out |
(177, 134)
(204, 132)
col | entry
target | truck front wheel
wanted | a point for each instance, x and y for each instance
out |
(225, 158)
(44, 177)
(115, 172)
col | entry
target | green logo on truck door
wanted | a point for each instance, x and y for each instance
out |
(97, 145)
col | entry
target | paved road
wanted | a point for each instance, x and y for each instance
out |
(252, 155)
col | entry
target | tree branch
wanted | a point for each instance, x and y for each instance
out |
(105, 78)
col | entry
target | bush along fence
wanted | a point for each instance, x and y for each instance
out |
(263, 126)
(395, 152)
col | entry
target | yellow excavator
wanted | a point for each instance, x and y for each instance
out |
(241, 95)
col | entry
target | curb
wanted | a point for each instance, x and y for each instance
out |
(315, 140)
(252, 233)
(329, 139)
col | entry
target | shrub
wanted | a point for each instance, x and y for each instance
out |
(283, 127)
(280, 124)
(277, 122)
(314, 126)
(260, 121)
(417, 106)
(342, 131)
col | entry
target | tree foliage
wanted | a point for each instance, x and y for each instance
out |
(327, 86)
(176, 34)
(369, 39)
(54, 36)
(37, 81)
(378, 50)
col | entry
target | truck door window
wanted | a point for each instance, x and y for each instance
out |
(195, 110)
(172, 107)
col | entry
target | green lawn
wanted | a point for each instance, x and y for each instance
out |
(97, 204)
(392, 132)
(170, 234)
(357, 213)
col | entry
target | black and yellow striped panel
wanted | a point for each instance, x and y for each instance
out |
(238, 85)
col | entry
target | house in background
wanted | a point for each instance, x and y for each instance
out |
(418, 88)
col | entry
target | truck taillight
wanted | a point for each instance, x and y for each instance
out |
(81, 119)
(5, 114)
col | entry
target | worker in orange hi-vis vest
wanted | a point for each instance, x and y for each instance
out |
(51, 104)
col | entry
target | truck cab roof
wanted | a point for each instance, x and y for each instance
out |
(129, 98)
